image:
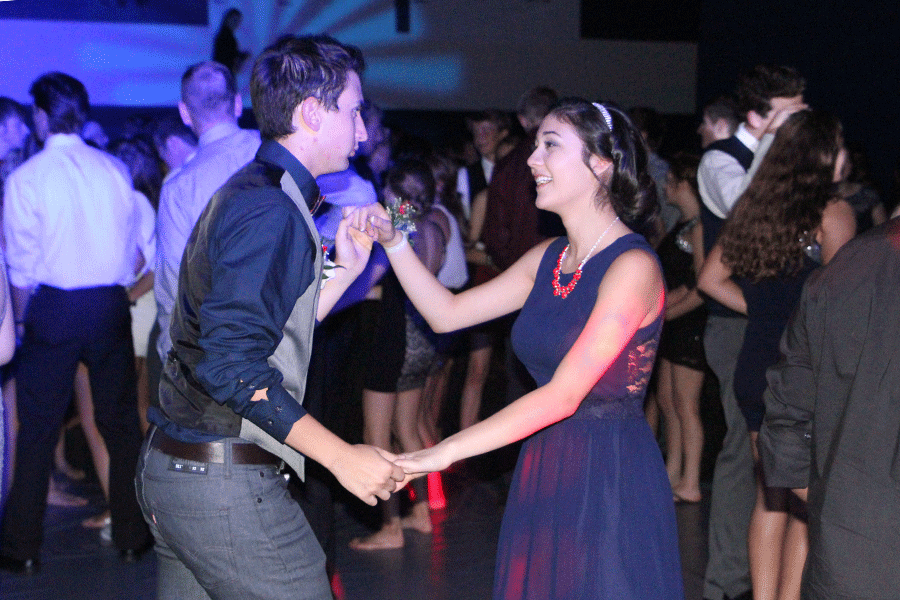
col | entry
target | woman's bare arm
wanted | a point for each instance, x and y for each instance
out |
(715, 280)
(630, 296)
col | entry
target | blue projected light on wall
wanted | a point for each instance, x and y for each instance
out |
(141, 63)
(431, 74)
(187, 12)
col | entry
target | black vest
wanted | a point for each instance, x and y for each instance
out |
(477, 180)
(712, 224)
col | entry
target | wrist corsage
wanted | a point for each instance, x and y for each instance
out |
(402, 212)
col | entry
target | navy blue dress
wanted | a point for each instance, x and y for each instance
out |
(770, 303)
(590, 512)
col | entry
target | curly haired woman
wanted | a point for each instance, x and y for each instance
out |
(784, 225)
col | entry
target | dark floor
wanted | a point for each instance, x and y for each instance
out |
(456, 561)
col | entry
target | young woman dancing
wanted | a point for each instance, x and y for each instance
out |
(590, 512)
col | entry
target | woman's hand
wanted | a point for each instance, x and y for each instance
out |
(424, 461)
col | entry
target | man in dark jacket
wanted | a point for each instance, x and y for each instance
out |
(832, 424)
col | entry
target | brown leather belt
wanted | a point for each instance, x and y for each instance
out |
(242, 453)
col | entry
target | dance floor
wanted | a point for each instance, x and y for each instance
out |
(455, 562)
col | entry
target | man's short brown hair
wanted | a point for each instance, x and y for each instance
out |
(296, 68)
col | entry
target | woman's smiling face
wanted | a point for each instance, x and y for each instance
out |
(558, 166)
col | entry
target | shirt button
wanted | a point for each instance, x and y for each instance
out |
(270, 422)
(277, 409)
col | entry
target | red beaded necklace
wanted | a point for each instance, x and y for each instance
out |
(563, 291)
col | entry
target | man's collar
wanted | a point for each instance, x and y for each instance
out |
(57, 140)
(217, 132)
(272, 152)
(746, 138)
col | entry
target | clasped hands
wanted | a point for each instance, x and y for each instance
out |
(372, 221)
(370, 472)
(365, 225)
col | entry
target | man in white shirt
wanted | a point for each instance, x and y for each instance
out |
(210, 106)
(489, 129)
(72, 228)
(765, 96)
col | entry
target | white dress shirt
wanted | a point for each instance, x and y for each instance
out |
(222, 150)
(146, 240)
(721, 178)
(71, 218)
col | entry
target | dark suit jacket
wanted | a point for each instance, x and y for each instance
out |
(833, 418)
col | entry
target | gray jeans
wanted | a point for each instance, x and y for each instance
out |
(733, 487)
(227, 531)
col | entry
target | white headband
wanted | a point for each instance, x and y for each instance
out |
(605, 113)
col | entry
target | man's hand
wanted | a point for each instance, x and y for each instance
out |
(780, 116)
(368, 473)
(352, 248)
(374, 220)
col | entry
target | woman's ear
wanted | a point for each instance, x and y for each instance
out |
(599, 165)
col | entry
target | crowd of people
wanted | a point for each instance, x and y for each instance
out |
(217, 292)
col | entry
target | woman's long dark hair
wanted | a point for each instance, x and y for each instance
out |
(772, 220)
(630, 189)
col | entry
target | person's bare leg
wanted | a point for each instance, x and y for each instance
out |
(473, 386)
(765, 538)
(85, 403)
(60, 462)
(378, 413)
(433, 402)
(56, 496)
(666, 402)
(404, 428)
(687, 387)
(796, 548)
(651, 411)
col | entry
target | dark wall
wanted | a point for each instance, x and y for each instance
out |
(848, 52)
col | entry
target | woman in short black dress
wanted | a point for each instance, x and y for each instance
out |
(681, 361)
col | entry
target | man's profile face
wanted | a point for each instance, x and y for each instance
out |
(343, 129)
(708, 131)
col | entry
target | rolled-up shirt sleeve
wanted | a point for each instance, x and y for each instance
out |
(261, 261)
(785, 439)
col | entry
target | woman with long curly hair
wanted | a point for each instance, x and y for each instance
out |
(785, 224)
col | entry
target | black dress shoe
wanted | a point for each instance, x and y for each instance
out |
(29, 566)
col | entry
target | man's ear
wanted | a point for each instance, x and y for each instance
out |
(308, 114)
(238, 106)
(721, 129)
(755, 120)
(185, 115)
